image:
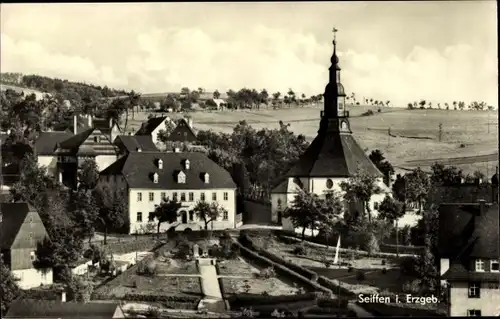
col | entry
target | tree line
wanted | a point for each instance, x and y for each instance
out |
(457, 105)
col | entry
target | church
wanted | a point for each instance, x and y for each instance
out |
(333, 156)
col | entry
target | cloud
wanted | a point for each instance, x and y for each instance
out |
(166, 59)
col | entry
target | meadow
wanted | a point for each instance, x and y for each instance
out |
(468, 139)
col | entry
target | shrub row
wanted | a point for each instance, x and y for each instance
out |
(246, 240)
(41, 294)
(412, 250)
(284, 271)
(160, 298)
(340, 303)
(334, 286)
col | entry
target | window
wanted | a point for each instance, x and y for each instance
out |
(214, 196)
(494, 266)
(139, 197)
(30, 236)
(139, 217)
(191, 215)
(225, 215)
(96, 139)
(226, 196)
(479, 265)
(33, 256)
(191, 197)
(473, 313)
(202, 196)
(151, 196)
(493, 285)
(474, 290)
(163, 195)
(151, 217)
(183, 197)
(174, 196)
(181, 178)
(155, 178)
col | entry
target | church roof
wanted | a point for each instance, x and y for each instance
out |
(333, 155)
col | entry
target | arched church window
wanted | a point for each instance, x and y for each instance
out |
(329, 183)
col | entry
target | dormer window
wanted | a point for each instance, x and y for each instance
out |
(479, 265)
(155, 178)
(160, 164)
(186, 164)
(494, 265)
(206, 178)
(181, 177)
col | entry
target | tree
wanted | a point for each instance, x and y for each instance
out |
(208, 212)
(84, 211)
(329, 211)
(112, 202)
(9, 290)
(376, 156)
(399, 190)
(216, 94)
(417, 186)
(422, 103)
(442, 175)
(361, 187)
(392, 210)
(88, 174)
(167, 212)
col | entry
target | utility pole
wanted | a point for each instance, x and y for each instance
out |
(440, 131)
(388, 138)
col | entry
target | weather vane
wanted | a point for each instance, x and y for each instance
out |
(334, 33)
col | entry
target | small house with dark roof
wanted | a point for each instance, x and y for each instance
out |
(55, 309)
(154, 125)
(469, 249)
(332, 157)
(183, 132)
(189, 177)
(20, 230)
(138, 143)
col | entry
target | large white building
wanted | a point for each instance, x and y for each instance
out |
(332, 157)
(148, 177)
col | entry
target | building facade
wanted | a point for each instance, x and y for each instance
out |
(333, 156)
(148, 177)
(469, 244)
(21, 229)
(153, 126)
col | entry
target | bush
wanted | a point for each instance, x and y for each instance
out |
(153, 312)
(333, 303)
(368, 113)
(383, 262)
(296, 268)
(379, 110)
(252, 300)
(300, 250)
(412, 286)
(161, 298)
(407, 266)
(350, 269)
(360, 275)
(151, 268)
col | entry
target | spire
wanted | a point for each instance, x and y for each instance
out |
(333, 89)
(334, 59)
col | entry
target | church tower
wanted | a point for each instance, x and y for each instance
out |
(334, 116)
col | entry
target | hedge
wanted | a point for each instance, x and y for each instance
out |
(284, 271)
(254, 299)
(160, 298)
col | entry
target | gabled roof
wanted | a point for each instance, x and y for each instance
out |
(465, 232)
(132, 143)
(47, 141)
(182, 127)
(150, 125)
(281, 187)
(138, 168)
(458, 272)
(333, 155)
(103, 125)
(13, 216)
(29, 308)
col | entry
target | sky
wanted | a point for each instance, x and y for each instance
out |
(440, 51)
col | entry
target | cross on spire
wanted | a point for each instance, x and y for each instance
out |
(334, 33)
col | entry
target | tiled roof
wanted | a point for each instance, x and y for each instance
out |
(333, 155)
(138, 169)
(74, 142)
(13, 216)
(29, 308)
(462, 225)
(132, 143)
(150, 125)
(47, 141)
(458, 272)
(281, 188)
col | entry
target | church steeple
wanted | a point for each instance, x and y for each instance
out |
(334, 115)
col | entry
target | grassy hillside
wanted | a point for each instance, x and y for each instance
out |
(469, 128)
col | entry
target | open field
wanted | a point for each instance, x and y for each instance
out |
(476, 130)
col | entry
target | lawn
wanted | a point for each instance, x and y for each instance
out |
(458, 127)
(272, 286)
(236, 267)
(176, 266)
(157, 285)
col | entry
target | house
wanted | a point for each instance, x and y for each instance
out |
(63, 152)
(148, 177)
(333, 156)
(153, 126)
(469, 242)
(55, 309)
(20, 230)
(216, 104)
(183, 132)
(138, 143)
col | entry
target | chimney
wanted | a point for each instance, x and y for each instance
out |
(63, 296)
(75, 124)
(482, 207)
(89, 118)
